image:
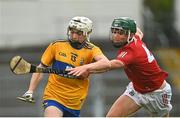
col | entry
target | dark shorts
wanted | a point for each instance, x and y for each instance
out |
(67, 112)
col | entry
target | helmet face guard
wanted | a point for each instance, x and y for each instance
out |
(118, 44)
(122, 26)
(79, 25)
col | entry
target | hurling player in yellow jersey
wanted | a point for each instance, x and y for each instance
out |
(64, 96)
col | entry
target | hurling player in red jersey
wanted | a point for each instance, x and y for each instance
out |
(148, 88)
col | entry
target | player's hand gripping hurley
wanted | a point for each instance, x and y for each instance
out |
(20, 66)
(27, 97)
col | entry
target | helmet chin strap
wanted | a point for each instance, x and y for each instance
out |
(129, 39)
(76, 44)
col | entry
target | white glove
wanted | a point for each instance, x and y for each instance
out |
(27, 97)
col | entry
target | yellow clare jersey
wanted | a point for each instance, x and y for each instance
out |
(60, 55)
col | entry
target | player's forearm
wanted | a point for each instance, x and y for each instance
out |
(35, 79)
(99, 66)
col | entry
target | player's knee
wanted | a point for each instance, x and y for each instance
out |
(52, 111)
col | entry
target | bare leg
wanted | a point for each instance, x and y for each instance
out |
(53, 111)
(123, 106)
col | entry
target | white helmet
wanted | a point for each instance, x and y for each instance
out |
(81, 23)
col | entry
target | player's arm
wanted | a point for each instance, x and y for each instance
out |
(102, 64)
(35, 79)
(116, 64)
(99, 68)
(46, 59)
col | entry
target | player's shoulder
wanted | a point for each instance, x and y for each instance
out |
(135, 44)
(59, 41)
(136, 47)
(89, 45)
(131, 47)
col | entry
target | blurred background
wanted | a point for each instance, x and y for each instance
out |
(28, 26)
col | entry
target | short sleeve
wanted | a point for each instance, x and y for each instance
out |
(96, 51)
(125, 56)
(48, 55)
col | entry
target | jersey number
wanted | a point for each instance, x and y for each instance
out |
(73, 57)
(149, 55)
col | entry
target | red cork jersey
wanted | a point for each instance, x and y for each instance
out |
(141, 67)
